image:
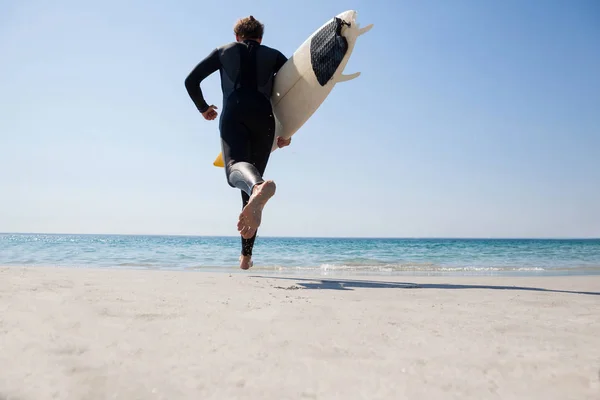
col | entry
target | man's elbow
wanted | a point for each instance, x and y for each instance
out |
(188, 82)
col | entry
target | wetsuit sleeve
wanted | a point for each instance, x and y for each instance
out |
(192, 83)
(281, 59)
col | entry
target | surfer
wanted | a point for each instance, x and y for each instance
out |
(247, 125)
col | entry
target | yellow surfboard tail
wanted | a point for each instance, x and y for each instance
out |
(219, 161)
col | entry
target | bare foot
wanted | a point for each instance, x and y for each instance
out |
(246, 262)
(251, 216)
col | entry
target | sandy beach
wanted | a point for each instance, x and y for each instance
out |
(68, 333)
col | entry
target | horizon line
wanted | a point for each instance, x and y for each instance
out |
(316, 237)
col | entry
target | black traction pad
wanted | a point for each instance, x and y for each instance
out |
(327, 49)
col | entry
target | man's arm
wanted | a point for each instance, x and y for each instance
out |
(281, 59)
(192, 83)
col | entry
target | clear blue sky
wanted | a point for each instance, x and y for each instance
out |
(470, 119)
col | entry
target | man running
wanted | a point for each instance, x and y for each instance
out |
(247, 126)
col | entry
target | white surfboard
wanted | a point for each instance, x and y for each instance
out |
(309, 75)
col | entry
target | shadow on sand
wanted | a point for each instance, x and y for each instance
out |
(349, 284)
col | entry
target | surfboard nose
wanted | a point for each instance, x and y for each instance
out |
(348, 16)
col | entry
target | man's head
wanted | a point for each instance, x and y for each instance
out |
(248, 28)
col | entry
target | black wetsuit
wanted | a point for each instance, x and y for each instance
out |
(246, 124)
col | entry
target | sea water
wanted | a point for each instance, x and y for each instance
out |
(329, 256)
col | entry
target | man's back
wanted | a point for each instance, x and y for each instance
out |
(245, 66)
(248, 65)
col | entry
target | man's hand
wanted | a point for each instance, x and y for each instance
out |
(281, 142)
(210, 114)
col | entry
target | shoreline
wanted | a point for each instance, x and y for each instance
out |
(342, 271)
(312, 275)
(99, 333)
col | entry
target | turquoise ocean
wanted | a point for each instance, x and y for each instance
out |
(320, 256)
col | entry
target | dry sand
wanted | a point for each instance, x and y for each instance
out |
(116, 334)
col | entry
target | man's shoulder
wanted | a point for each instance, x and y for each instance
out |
(231, 45)
(227, 46)
(271, 49)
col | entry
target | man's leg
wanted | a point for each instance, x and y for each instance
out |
(247, 244)
(240, 173)
(239, 170)
(262, 131)
(259, 157)
(246, 177)
(236, 144)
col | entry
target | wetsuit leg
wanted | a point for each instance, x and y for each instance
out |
(247, 133)
(236, 144)
(261, 142)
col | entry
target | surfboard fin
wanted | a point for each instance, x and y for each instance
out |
(345, 78)
(219, 161)
(364, 30)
